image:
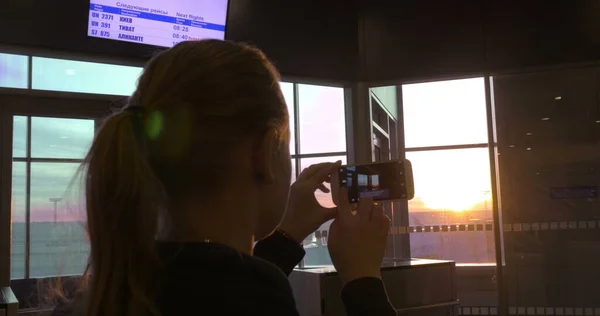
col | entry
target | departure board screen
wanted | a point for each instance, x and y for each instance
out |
(157, 22)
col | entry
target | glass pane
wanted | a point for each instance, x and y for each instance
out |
(287, 89)
(19, 136)
(322, 119)
(60, 137)
(316, 244)
(18, 218)
(473, 247)
(548, 133)
(452, 187)
(444, 113)
(13, 71)
(58, 242)
(85, 77)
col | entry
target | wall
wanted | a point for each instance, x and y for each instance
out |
(316, 39)
(313, 39)
(548, 127)
(329, 40)
(419, 39)
(416, 40)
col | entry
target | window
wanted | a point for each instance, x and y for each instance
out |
(83, 77)
(321, 137)
(322, 119)
(446, 138)
(14, 71)
(444, 113)
(47, 202)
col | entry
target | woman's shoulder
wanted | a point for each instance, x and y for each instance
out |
(212, 261)
(218, 276)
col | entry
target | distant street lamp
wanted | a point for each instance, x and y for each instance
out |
(55, 201)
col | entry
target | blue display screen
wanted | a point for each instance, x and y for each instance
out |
(157, 22)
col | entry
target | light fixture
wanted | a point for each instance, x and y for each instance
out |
(558, 98)
(528, 148)
(545, 119)
(598, 121)
(511, 146)
(529, 134)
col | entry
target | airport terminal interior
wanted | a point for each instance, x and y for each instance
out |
(496, 104)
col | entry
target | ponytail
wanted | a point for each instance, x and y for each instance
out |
(123, 198)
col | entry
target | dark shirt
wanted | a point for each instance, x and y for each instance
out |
(213, 279)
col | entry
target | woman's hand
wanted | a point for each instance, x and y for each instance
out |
(304, 214)
(357, 240)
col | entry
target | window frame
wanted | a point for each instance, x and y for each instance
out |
(296, 117)
(489, 145)
(473, 275)
(53, 104)
(297, 156)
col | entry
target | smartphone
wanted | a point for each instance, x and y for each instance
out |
(382, 181)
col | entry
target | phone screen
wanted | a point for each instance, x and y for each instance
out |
(380, 181)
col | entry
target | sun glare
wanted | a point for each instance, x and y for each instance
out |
(454, 180)
(449, 202)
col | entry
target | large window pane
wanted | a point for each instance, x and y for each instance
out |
(452, 187)
(472, 247)
(85, 77)
(316, 243)
(322, 119)
(58, 242)
(444, 113)
(60, 137)
(13, 71)
(19, 220)
(287, 89)
(19, 136)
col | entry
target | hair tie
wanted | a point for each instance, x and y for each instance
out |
(138, 114)
(135, 109)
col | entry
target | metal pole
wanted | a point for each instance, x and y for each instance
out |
(493, 155)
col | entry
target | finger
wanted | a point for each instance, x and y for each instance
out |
(344, 209)
(323, 188)
(329, 214)
(377, 213)
(385, 223)
(324, 173)
(313, 169)
(365, 208)
(334, 180)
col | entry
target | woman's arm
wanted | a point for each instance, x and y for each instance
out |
(281, 251)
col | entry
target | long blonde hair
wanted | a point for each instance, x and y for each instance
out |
(192, 104)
